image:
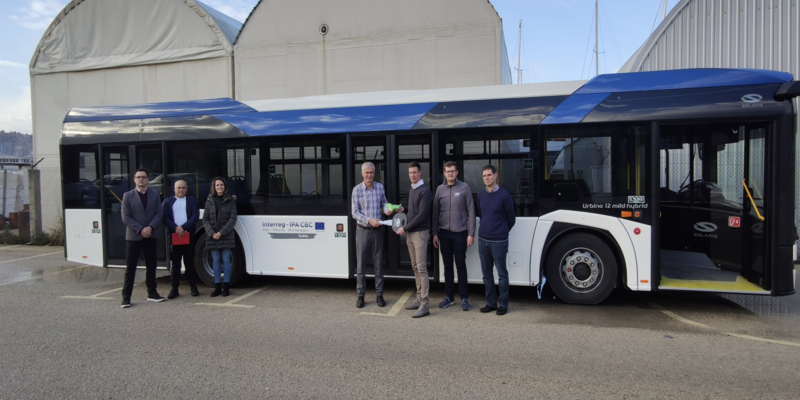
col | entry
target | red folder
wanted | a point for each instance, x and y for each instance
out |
(177, 240)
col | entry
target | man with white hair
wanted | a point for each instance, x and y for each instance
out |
(181, 213)
(368, 200)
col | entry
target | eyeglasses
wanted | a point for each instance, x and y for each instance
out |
(451, 172)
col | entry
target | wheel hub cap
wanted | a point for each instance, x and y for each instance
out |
(581, 269)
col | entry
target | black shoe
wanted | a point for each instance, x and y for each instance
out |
(360, 302)
(380, 301)
(488, 308)
(502, 311)
(226, 289)
(195, 293)
(173, 293)
(155, 297)
(217, 290)
(126, 303)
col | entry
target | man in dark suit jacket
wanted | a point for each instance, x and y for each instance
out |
(141, 213)
(181, 213)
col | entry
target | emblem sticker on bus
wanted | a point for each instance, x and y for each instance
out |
(635, 199)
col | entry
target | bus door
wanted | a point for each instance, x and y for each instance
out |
(409, 148)
(120, 163)
(713, 213)
(391, 170)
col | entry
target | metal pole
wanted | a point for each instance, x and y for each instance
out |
(5, 175)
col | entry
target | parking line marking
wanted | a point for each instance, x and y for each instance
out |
(760, 339)
(231, 302)
(704, 326)
(95, 296)
(25, 258)
(397, 306)
(10, 247)
(43, 275)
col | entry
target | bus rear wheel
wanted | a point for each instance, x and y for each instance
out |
(204, 265)
(581, 269)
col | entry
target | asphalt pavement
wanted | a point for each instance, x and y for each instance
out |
(64, 335)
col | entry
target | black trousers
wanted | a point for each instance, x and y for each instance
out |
(185, 252)
(132, 252)
(453, 245)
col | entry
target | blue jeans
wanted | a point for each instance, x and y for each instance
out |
(226, 261)
(494, 253)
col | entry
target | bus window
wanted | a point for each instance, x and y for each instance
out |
(599, 169)
(303, 177)
(510, 151)
(197, 163)
(81, 186)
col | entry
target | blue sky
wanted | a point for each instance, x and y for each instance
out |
(557, 40)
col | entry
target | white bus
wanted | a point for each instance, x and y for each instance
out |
(670, 180)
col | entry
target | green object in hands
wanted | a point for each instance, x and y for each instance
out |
(393, 207)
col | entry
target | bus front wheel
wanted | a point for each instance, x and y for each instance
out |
(581, 269)
(204, 264)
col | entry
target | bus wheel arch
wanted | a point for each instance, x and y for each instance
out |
(203, 264)
(582, 267)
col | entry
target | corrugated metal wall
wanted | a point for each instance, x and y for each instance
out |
(759, 34)
(762, 34)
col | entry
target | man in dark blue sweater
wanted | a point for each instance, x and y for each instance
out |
(495, 208)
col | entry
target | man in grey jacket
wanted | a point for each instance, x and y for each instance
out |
(141, 214)
(453, 231)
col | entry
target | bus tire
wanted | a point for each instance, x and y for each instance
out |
(581, 269)
(204, 267)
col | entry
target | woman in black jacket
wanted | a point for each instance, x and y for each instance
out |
(219, 220)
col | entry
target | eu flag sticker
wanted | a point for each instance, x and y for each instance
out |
(319, 226)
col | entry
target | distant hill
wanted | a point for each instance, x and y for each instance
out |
(16, 144)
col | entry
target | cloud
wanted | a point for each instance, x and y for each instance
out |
(12, 64)
(15, 112)
(39, 13)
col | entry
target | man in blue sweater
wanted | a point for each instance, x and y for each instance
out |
(495, 208)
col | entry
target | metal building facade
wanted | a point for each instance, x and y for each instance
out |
(760, 34)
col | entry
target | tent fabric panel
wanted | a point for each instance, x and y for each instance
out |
(96, 34)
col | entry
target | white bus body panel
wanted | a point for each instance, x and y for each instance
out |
(84, 241)
(295, 245)
(537, 249)
(517, 261)
(618, 229)
(642, 247)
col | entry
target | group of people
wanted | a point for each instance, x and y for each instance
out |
(450, 216)
(142, 214)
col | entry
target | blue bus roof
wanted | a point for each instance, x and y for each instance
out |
(384, 114)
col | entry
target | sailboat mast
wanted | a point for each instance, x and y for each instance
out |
(596, 49)
(519, 54)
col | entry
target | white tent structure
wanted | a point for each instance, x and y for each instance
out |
(113, 52)
(760, 34)
(321, 47)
